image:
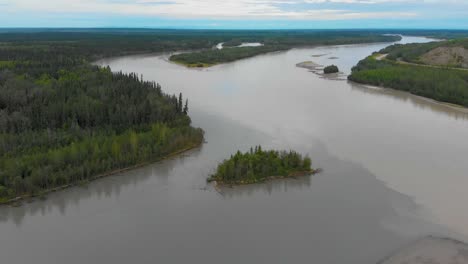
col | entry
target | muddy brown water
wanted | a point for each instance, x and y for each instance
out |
(394, 170)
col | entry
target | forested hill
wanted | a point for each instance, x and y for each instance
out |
(452, 53)
(63, 120)
(435, 70)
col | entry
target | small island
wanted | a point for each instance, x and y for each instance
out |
(258, 165)
(331, 69)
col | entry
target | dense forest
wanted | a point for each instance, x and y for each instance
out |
(212, 57)
(258, 165)
(274, 42)
(430, 33)
(63, 120)
(441, 84)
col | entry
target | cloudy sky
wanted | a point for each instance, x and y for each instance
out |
(236, 13)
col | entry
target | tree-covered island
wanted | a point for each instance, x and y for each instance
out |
(331, 69)
(258, 165)
(65, 121)
(273, 41)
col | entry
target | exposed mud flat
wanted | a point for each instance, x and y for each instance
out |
(431, 250)
(318, 69)
(319, 55)
(310, 65)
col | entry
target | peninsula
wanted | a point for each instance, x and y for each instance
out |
(436, 70)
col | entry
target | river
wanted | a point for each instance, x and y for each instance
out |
(393, 165)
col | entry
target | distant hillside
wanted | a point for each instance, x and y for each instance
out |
(436, 70)
(447, 56)
(453, 53)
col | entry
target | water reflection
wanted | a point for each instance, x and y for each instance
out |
(455, 112)
(102, 189)
(283, 185)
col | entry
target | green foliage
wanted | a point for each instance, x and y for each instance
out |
(446, 85)
(259, 165)
(412, 52)
(233, 43)
(3, 191)
(331, 69)
(64, 121)
(215, 56)
(7, 64)
(274, 41)
(94, 155)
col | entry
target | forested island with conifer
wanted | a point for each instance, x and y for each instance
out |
(258, 165)
(65, 121)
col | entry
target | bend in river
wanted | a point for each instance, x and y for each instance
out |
(393, 163)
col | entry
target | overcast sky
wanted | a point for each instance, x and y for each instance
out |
(236, 13)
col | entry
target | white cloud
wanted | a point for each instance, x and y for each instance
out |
(204, 8)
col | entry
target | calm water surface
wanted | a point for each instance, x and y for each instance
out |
(394, 170)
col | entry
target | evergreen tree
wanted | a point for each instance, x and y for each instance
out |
(186, 107)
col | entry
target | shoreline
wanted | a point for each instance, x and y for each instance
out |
(193, 65)
(456, 107)
(208, 65)
(21, 198)
(293, 175)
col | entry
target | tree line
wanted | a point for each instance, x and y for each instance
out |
(412, 52)
(273, 42)
(441, 84)
(63, 120)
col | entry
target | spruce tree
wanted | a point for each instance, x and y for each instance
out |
(186, 107)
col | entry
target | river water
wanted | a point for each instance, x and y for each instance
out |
(393, 164)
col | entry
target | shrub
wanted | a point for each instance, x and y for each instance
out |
(331, 69)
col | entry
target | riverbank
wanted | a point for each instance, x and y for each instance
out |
(18, 200)
(219, 183)
(448, 85)
(192, 65)
(207, 58)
